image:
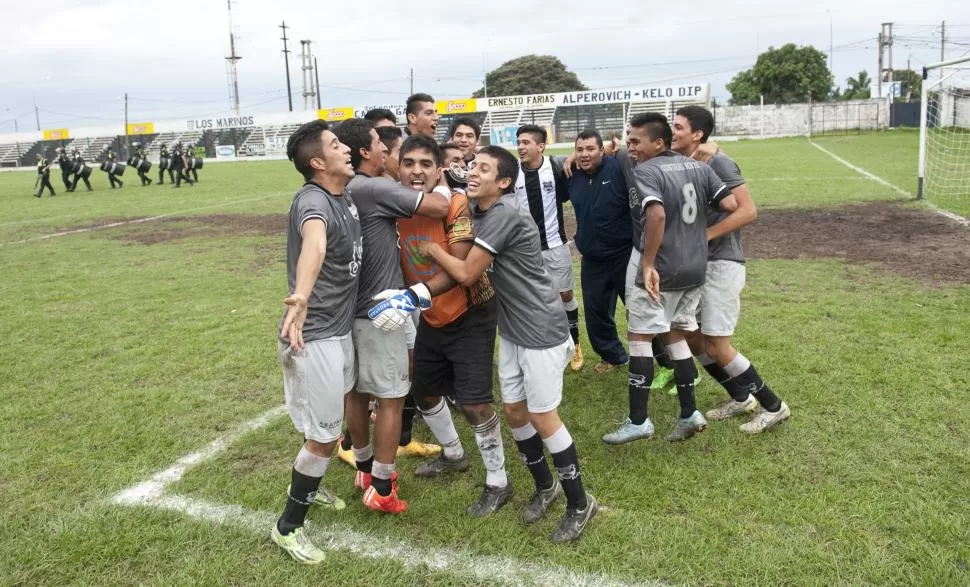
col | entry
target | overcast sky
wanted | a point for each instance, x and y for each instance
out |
(75, 59)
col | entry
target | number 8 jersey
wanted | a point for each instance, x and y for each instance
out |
(687, 189)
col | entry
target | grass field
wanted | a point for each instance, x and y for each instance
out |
(126, 348)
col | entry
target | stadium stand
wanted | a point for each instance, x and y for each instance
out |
(11, 153)
(267, 140)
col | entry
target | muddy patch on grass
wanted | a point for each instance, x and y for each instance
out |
(175, 228)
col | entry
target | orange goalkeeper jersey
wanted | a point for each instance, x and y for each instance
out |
(455, 228)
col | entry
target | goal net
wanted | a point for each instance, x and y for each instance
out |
(944, 149)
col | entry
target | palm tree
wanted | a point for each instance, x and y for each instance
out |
(857, 88)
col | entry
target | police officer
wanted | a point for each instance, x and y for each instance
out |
(190, 163)
(79, 163)
(110, 158)
(65, 163)
(136, 160)
(44, 171)
(164, 162)
(178, 165)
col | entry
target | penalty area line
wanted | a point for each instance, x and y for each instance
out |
(932, 207)
(153, 493)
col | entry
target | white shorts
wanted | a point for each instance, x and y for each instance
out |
(558, 261)
(315, 381)
(533, 375)
(382, 359)
(677, 310)
(720, 305)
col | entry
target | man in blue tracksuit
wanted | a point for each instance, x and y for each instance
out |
(604, 236)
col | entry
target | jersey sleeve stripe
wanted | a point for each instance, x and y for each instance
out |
(719, 194)
(311, 217)
(418, 203)
(485, 246)
(647, 199)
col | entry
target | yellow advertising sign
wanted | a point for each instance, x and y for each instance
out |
(456, 106)
(141, 128)
(55, 134)
(335, 114)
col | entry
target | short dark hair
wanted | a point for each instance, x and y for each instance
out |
(448, 145)
(376, 115)
(700, 119)
(655, 125)
(537, 132)
(414, 100)
(355, 133)
(389, 134)
(415, 142)
(465, 121)
(305, 144)
(590, 134)
(508, 165)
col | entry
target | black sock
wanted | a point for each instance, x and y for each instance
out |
(365, 466)
(716, 372)
(567, 465)
(302, 488)
(382, 486)
(752, 383)
(407, 420)
(532, 454)
(660, 353)
(685, 372)
(572, 316)
(347, 443)
(638, 387)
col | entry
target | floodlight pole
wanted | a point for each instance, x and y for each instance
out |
(127, 143)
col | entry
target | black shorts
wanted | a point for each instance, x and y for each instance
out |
(456, 360)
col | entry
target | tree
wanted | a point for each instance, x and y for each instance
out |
(858, 88)
(786, 75)
(530, 74)
(912, 84)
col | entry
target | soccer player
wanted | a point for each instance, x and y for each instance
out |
(422, 116)
(604, 236)
(534, 341)
(540, 189)
(382, 356)
(381, 117)
(455, 342)
(720, 305)
(454, 167)
(391, 137)
(666, 270)
(465, 133)
(323, 255)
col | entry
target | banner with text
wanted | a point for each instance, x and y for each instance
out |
(398, 110)
(335, 114)
(141, 128)
(457, 106)
(696, 92)
(56, 134)
(220, 123)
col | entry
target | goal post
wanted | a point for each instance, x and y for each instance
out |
(944, 130)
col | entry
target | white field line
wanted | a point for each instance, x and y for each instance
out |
(153, 493)
(140, 220)
(954, 217)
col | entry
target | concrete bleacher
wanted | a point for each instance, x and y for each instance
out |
(169, 139)
(569, 121)
(269, 139)
(11, 153)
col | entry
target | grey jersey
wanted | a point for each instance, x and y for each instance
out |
(330, 308)
(685, 188)
(380, 202)
(727, 247)
(636, 209)
(530, 312)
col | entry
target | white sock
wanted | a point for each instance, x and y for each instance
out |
(488, 436)
(310, 464)
(442, 426)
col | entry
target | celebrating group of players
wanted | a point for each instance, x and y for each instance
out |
(405, 256)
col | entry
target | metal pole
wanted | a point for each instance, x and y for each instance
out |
(412, 81)
(316, 75)
(942, 45)
(286, 61)
(16, 129)
(127, 141)
(37, 115)
(924, 106)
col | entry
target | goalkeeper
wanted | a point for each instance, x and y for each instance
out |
(455, 344)
(382, 356)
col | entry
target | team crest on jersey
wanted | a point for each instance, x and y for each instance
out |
(634, 198)
(462, 226)
(358, 255)
(548, 186)
(353, 210)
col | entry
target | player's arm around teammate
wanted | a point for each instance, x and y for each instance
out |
(534, 341)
